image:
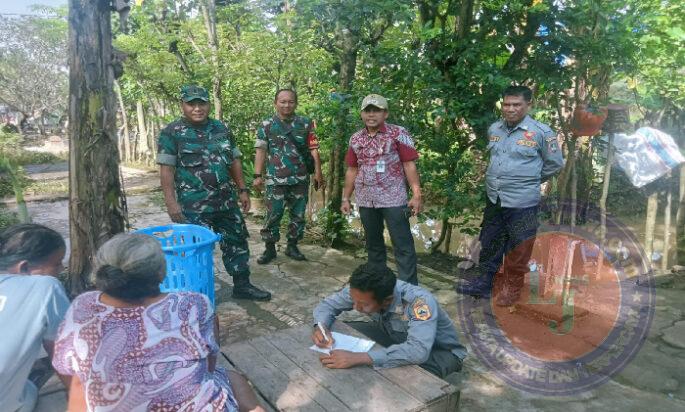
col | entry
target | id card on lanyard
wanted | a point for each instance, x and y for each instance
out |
(380, 166)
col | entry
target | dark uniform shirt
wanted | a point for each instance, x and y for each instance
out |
(520, 159)
(414, 318)
(281, 139)
(202, 156)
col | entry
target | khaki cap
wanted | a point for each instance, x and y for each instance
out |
(375, 100)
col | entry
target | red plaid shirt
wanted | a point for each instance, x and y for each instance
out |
(380, 181)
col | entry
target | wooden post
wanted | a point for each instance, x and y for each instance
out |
(603, 205)
(95, 197)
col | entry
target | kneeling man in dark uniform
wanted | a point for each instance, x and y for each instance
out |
(407, 320)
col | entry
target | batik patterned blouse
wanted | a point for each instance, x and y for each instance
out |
(150, 358)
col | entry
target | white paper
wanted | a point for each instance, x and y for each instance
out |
(346, 342)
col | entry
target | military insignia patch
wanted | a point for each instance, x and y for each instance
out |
(494, 138)
(529, 135)
(421, 310)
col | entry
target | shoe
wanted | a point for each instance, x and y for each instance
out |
(243, 289)
(293, 252)
(268, 255)
(508, 296)
(477, 288)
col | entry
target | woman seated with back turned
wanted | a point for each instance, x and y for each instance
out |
(130, 347)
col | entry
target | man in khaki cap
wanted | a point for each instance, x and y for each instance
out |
(380, 159)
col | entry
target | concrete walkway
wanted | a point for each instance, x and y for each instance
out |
(654, 381)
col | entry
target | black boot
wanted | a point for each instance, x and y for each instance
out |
(293, 252)
(243, 289)
(268, 255)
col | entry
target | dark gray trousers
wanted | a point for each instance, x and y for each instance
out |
(440, 363)
(400, 235)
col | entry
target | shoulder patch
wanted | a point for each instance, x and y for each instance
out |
(420, 309)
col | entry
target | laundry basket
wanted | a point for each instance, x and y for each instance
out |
(189, 253)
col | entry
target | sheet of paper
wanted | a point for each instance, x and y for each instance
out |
(346, 342)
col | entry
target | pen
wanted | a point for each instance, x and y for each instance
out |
(323, 331)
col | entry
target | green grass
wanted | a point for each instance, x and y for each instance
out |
(26, 157)
(46, 187)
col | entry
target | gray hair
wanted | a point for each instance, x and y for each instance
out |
(130, 266)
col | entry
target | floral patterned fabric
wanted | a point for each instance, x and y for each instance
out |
(150, 358)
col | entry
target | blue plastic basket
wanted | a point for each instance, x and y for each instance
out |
(189, 253)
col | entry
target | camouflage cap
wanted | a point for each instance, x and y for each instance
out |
(375, 100)
(191, 92)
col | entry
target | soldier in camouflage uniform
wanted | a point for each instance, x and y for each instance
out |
(283, 142)
(198, 158)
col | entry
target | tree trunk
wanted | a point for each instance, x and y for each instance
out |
(448, 238)
(348, 67)
(209, 14)
(680, 221)
(650, 223)
(124, 119)
(143, 147)
(95, 198)
(443, 232)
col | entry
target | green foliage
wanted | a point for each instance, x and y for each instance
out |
(33, 72)
(7, 218)
(441, 64)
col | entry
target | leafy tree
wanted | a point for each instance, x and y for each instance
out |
(33, 66)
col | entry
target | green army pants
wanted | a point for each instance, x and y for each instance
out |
(277, 197)
(231, 226)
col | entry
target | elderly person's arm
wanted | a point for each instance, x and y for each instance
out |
(77, 396)
(49, 346)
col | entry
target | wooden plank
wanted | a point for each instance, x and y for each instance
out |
(435, 393)
(360, 388)
(270, 381)
(222, 361)
(296, 375)
(419, 382)
(423, 385)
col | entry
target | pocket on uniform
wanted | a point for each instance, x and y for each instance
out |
(191, 159)
(526, 151)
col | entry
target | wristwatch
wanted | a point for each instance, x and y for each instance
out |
(256, 175)
(244, 190)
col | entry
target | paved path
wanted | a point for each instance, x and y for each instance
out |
(654, 381)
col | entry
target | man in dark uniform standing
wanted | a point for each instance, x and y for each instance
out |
(198, 159)
(523, 154)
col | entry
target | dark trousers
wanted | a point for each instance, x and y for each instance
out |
(400, 235)
(507, 233)
(440, 363)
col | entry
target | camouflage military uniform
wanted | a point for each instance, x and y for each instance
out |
(287, 181)
(202, 157)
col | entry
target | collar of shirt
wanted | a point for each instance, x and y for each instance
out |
(289, 121)
(524, 124)
(202, 127)
(381, 129)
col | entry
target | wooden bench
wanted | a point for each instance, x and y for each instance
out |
(290, 377)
